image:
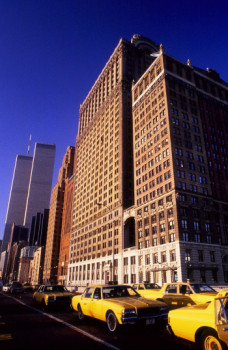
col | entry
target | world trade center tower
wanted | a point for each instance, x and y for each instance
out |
(30, 188)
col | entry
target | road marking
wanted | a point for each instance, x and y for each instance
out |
(98, 340)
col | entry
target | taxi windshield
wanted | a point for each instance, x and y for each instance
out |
(201, 288)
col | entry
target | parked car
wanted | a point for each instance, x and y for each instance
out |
(181, 294)
(144, 288)
(1, 284)
(16, 288)
(52, 295)
(117, 305)
(205, 324)
(27, 287)
(6, 287)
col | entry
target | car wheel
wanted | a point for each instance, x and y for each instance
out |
(209, 341)
(81, 316)
(112, 322)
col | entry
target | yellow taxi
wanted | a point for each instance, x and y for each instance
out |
(179, 294)
(205, 324)
(52, 295)
(117, 305)
(145, 288)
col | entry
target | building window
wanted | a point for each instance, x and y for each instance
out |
(172, 255)
(171, 225)
(147, 259)
(133, 278)
(155, 258)
(125, 261)
(207, 227)
(196, 225)
(125, 278)
(197, 238)
(200, 255)
(155, 242)
(184, 223)
(163, 239)
(214, 276)
(185, 236)
(187, 255)
(162, 228)
(163, 257)
(154, 230)
(212, 256)
(208, 239)
(172, 237)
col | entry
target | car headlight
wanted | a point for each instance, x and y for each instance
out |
(128, 312)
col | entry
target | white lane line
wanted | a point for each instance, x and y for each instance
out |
(98, 340)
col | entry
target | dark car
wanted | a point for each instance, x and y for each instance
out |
(16, 288)
(27, 287)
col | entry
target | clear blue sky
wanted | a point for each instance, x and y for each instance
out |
(52, 51)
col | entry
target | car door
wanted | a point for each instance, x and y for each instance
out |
(97, 309)
(86, 301)
(221, 310)
(39, 295)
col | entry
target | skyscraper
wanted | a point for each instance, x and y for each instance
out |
(151, 172)
(30, 189)
(181, 173)
(40, 183)
(104, 165)
(18, 196)
(55, 217)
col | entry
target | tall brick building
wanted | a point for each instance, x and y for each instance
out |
(181, 171)
(148, 203)
(51, 260)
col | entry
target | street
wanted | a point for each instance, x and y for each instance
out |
(24, 326)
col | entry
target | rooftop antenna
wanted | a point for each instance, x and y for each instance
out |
(29, 143)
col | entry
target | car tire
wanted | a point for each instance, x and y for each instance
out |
(209, 341)
(112, 322)
(81, 316)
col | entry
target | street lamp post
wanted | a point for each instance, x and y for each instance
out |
(113, 239)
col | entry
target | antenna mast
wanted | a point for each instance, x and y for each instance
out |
(30, 137)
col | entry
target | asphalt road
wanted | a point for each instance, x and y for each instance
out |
(23, 326)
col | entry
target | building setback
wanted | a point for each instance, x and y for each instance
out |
(150, 195)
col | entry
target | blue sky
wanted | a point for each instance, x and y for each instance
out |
(52, 51)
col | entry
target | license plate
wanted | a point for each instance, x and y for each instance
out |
(152, 321)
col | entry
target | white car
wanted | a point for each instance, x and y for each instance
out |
(6, 287)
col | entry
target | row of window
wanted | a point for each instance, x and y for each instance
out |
(201, 255)
(154, 194)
